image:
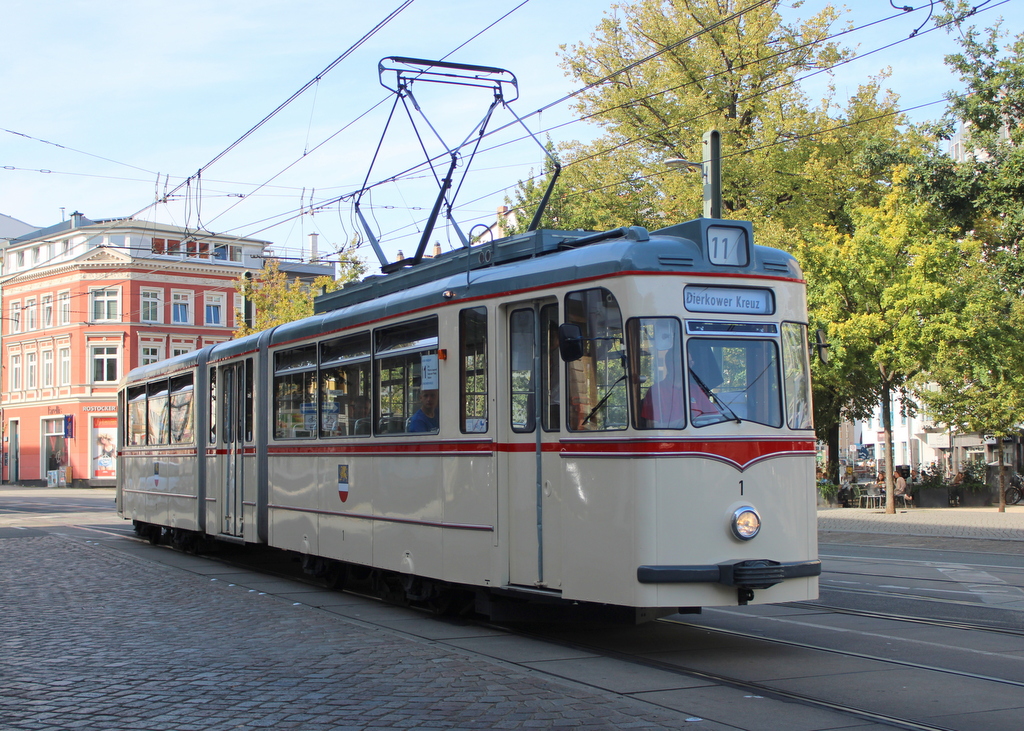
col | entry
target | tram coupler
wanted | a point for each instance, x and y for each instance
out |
(744, 595)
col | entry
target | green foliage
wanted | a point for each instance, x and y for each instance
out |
(828, 490)
(913, 261)
(276, 300)
(975, 475)
(932, 477)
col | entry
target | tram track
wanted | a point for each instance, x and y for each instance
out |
(759, 688)
(933, 622)
(754, 687)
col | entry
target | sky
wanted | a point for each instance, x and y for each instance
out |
(112, 105)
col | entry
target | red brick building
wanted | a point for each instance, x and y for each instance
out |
(83, 303)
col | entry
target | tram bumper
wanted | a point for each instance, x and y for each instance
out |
(747, 574)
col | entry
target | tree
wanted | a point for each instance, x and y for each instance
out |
(977, 383)
(788, 165)
(892, 293)
(276, 300)
(665, 71)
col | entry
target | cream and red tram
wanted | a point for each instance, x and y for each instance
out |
(622, 418)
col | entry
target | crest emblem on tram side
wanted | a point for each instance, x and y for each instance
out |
(343, 482)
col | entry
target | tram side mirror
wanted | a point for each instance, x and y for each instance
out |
(570, 342)
(821, 344)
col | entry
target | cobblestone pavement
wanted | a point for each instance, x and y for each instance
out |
(94, 638)
(100, 638)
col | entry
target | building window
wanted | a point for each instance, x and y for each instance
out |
(15, 372)
(167, 246)
(64, 366)
(225, 252)
(197, 248)
(16, 317)
(21, 259)
(104, 364)
(64, 308)
(30, 315)
(151, 305)
(181, 308)
(47, 369)
(180, 350)
(150, 354)
(215, 310)
(48, 310)
(104, 305)
(30, 371)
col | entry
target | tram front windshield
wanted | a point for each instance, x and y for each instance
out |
(733, 380)
(722, 378)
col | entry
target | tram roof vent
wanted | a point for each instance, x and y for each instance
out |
(776, 265)
(676, 261)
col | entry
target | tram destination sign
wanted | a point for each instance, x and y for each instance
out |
(729, 300)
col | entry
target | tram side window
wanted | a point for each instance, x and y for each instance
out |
(181, 410)
(135, 434)
(250, 395)
(473, 369)
(549, 378)
(796, 370)
(407, 378)
(158, 414)
(733, 379)
(656, 382)
(345, 396)
(213, 406)
(596, 382)
(521, 389)
(295, 393)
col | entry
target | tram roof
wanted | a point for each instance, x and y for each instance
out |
(536, 259)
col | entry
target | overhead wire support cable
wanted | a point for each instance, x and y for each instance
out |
(366, 186)
(351, 49)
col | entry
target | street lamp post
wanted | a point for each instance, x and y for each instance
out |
(711, 172)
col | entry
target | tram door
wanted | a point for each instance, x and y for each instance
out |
(533, 422)
(232, 417)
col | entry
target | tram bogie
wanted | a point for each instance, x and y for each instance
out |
(621, 419)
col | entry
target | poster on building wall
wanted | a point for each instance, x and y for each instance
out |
(104, 437)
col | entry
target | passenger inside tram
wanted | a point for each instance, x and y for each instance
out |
(426, 418)
(662, 405)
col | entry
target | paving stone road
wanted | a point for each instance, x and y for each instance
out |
(102, 639)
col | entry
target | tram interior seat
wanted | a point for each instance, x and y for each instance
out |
(392, 425)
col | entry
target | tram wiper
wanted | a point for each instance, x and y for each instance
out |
(719, 403)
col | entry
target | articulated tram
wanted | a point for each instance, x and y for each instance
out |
(618, 418)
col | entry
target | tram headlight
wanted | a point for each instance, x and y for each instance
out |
(745, 523)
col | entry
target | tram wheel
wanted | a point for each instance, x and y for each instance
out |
(336, 576)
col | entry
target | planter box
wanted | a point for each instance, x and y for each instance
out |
(933, 497)
(981, 499)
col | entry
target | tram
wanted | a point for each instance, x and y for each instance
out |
(619, 418)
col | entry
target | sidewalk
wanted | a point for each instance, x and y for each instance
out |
(980, 523)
